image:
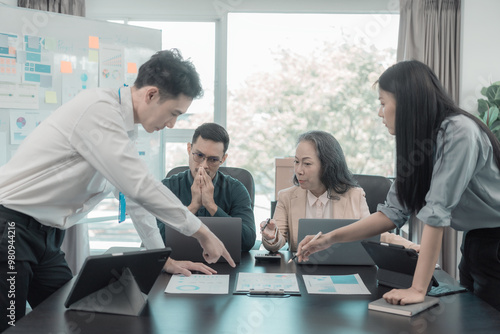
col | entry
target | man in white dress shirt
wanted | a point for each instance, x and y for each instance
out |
(71, 162)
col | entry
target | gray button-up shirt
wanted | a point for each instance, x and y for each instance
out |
(465, 186)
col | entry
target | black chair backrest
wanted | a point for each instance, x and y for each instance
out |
(240, 174)
(376, 188)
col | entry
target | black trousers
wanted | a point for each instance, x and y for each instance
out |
(480, 264)
(32, 265)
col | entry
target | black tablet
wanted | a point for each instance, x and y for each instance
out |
(396, 264)
(139, 269)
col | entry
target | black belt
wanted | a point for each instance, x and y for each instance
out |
(21, 218)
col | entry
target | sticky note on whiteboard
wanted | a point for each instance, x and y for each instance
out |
(93, 42)
(66, 67)
(50, 97)
(93, 56)
(131, 68)
(50, 43)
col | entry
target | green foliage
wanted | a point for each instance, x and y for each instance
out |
(331, 89)
(489, 108)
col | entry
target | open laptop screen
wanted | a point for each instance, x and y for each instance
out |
(227, 229)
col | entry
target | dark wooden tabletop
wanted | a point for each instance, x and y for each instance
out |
(307, 313)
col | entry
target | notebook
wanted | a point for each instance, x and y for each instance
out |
(116, 283)
(349, 253)
(227, 229)
(406, 310)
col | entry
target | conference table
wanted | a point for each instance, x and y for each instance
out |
(240, 313)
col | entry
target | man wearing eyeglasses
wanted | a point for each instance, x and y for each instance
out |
(207, 192)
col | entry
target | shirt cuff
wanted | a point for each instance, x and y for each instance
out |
(193, 224)
(396, 216)
(153, 242)
(435, 215)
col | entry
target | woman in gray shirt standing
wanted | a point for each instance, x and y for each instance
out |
(447, 175)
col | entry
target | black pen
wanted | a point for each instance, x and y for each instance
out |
(265, 225)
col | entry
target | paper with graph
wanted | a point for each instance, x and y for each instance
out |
(335, 285)
(198, 284)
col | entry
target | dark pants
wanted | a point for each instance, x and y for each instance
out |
(32, 265)
(480, 264)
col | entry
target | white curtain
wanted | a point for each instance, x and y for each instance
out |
(70, 7)
(429, 31)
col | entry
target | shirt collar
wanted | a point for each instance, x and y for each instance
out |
(127, 109)
(312, 199)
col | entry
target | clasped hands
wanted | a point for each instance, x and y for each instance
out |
(202, 192)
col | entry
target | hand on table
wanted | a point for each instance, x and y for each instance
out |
(186, 267)
(404, 296)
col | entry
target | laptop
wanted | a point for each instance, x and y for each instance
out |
(349, 253)
(116, 283)
(227, 229)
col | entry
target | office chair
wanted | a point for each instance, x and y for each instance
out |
(239, 174)
(376, 188)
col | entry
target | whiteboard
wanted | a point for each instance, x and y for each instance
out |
(47, 58)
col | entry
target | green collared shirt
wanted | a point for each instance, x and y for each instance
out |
(230, 195)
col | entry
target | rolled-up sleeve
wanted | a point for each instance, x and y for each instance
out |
(456, 161)
(393, 209)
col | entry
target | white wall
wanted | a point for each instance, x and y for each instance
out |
(480, 64)
(12, 3)
(213, 9)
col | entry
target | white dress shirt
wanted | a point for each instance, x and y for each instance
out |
(75, 157)
(312, 203)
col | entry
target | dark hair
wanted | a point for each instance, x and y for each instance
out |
(422, 104)
(335, 175)
(213, 132)
(171, 74)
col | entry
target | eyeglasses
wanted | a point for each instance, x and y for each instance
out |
(211, 161)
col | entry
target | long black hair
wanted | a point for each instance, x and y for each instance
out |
(422, 104)
(335, 175)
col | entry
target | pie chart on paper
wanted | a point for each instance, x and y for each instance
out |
(21, 122)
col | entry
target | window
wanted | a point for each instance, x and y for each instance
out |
(195, 40)
(290, 73)
(287, 73)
